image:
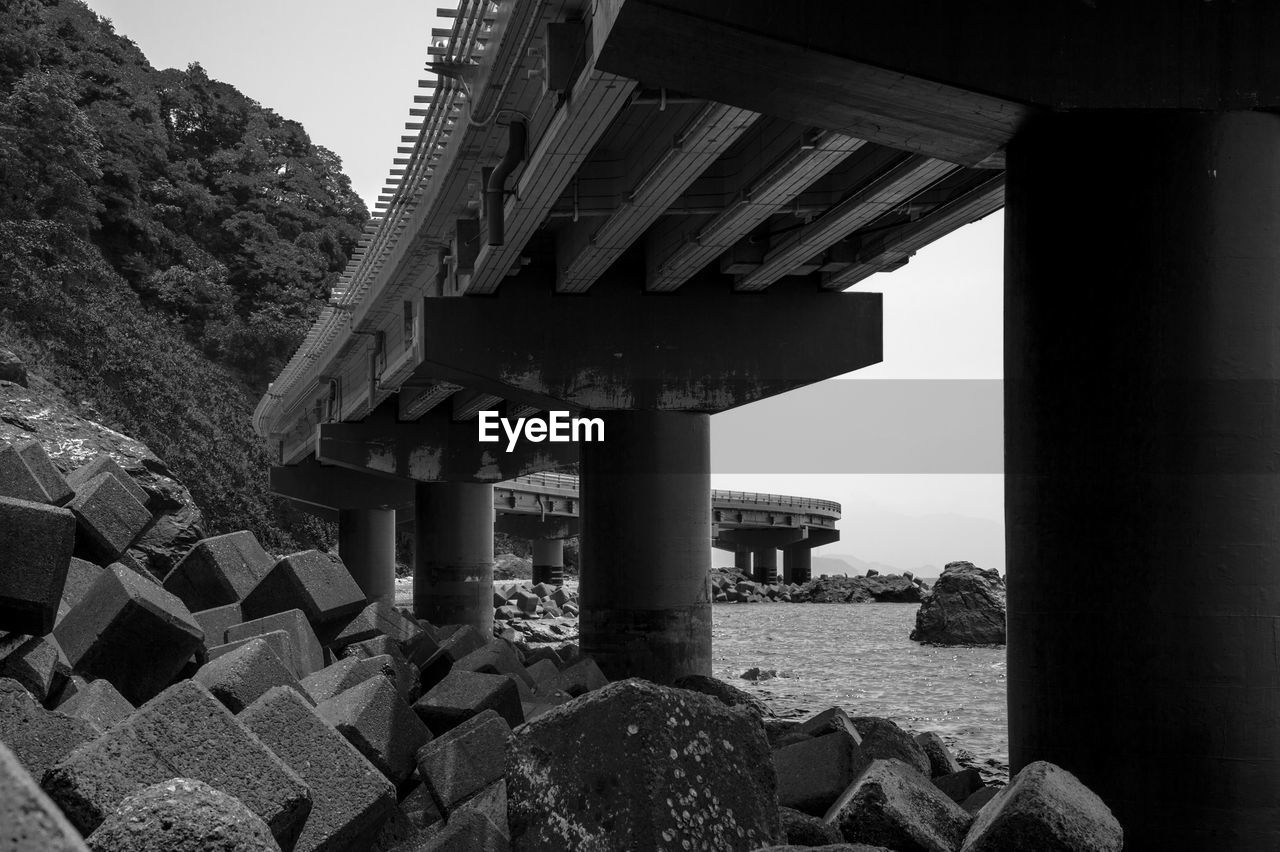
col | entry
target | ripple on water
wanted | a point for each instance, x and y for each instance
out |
(858, 656)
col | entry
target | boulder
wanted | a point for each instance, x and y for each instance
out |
(884, 740)
(941, 760)
(130, 631)
(471, 830)
(183, 731)
(30, 820)
(723, 692)
(350, 798)
(1045, 808)
(634, 765)
(182, 815)
(894, 806)
(35, 554)
(965, 607)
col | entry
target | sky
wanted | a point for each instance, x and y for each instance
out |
(915, 438)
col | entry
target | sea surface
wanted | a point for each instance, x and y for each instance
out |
(858, 656)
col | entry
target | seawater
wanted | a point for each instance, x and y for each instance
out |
(858, 656)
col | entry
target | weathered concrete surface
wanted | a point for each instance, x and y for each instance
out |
(98, 703)
(812, 774)
(725, 693)
(29, 820)
(35, 552)
(130, 631)
(187, 731)
(241, 677)
(377, 721)
(216, 621)
(941, 760)
(314, 582)
(308, 653)
(103, 463)
(81, 575)
(182, 815)
(805, 830)
(636, 765)
(965, 607)
(220, 570)
(108, 518)
(56, 490)
(350, 798)
(463, 761)
(39, 737)
(959, 786)
(462, 695)
(1045, 808)
(40, 666)
(883, 739)
(893, 805)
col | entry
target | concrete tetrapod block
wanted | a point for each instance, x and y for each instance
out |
(220, 570)
(216, 621)
(108, 517)
(492, 802)
(314, 582)
(449, 649)
(181, 815)
(350, 798)
(805, 831)
(893, 805)
(941, 761)
(465, 760)
(812, 774)
(421, 808)
(831, 719)
(39, 737)
(81, 575)
(378, 722)
(131, 632)
(335, 678)
(29, 820)
(635, 765)
(98, 703)
(35, 553)
(462, 695)
(578, 678)
(308, 654)
(56, 490)
(39, 665)
(958, 786)
(1045, 807)
(277, 640)
(182, 732)
(470, 830)
(17, 481)
(241, 677)
(402, 674)
(884, 740)
(378, 619)
(103, 463)
(979, 799)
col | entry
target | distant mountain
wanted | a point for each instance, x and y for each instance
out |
(899, 541)
(850, 566)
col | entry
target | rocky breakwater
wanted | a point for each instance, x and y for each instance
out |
(966, 606)
(728, 586)
(535, 612)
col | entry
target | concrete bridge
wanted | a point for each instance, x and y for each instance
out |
(649, 210)
(544, 508)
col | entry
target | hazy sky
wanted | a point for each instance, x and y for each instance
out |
(348, 73)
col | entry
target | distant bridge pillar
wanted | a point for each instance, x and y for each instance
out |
(646, 545)
(765, 564)
(367, 546)
(797, 563)
(742, 562)
(1142, 432)
(453, 554)
(548, 561)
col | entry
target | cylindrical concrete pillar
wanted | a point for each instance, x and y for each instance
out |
(646, 545)
(1142, 445)
(453, 554)
(765, 564)
(742, 562)
(367, 546)
(797, 564)
(548, 561)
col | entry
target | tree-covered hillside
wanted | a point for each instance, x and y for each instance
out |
(165, 241)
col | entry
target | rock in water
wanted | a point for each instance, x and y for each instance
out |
(965, 607)
(1045, 807)
(634, 765)
(181, 815)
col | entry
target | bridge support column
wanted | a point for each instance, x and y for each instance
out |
(453, 554)
(1142, 432)
(646, 545)
(797, 563)
(367, 546)
(548, 561)
(765, 564)
(742, 562)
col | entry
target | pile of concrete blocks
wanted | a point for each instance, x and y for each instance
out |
(267, 682)
(538, 612)
(734, 588)
(863, 780)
